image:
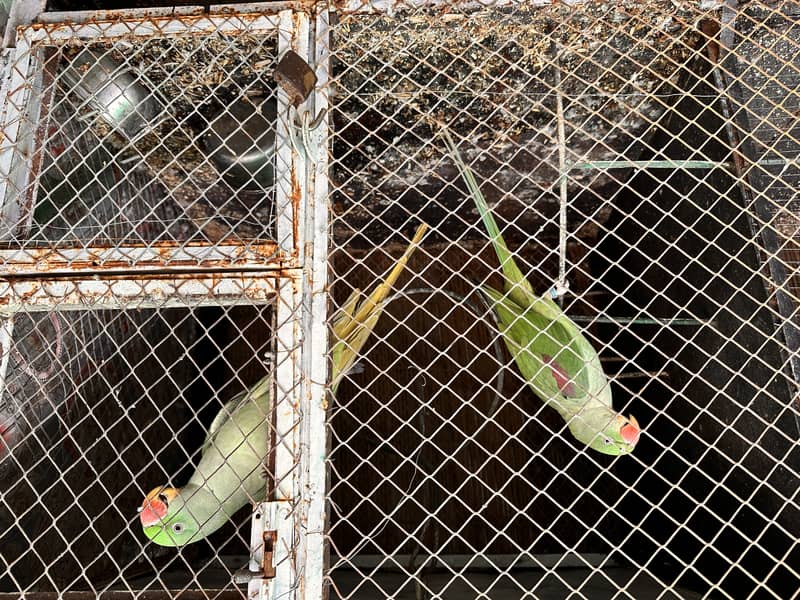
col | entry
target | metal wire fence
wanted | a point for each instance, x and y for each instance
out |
(639, 158)
(183, 192)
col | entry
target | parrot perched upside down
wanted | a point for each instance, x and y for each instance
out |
(228, 476)
(231, 469)
(558, 362)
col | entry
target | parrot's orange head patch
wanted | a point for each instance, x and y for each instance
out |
(156, 505)
(630, 431)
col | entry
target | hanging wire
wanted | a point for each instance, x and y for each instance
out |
(562, 286)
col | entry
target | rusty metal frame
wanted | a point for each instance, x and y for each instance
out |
(391, 7)
(21, 105)
(163, 275)
(184, 594)
(121, 292)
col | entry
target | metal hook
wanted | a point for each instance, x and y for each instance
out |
(306, 143)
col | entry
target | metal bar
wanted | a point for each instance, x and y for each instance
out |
(561, 284)
(680, 164)
(161, 292)
(287, 398)
(260, 7)
(21, 13)
(183, 594)
(640, 320)
(36, 261)
(286, 176)
(146, 28)
(651, 164)
(132, 14)
(640, 375)
(480, 561)
(6, 342)
(392, 7)
(315, 358)
(83, 16)
(288, 392)
(18, 91)
(298, 181)
(769, 237)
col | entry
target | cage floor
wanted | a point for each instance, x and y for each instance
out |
(512, 585)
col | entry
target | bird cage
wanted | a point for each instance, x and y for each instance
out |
(640, 161)
(194, 198)
(156, 200)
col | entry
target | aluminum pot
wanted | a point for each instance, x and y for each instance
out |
(115, 92)
(241, 142)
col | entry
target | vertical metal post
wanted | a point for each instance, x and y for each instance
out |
(286, 174)
(315, 347)
(562, 285)
(18, 99)
(6, 339)
(287, 398)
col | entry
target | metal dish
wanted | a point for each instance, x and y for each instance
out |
(113, 91)
(241, 142)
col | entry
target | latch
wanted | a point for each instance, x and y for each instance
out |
(268, 561)
(269, 574)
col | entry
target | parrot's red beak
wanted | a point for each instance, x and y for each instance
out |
(630, 431)
(156, 505)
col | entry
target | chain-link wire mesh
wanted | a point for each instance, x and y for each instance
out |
(99, 408)
(639, 158)
(156, 134)
(150, 321)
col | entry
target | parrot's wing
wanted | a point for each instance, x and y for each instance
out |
(225, 413)
(354, 323)
(345, 352)
(230, 408)
(554, 358)
(347, 311)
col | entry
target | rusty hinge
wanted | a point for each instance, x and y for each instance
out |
(268, 560)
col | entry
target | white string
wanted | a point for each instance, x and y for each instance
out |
(562, 286)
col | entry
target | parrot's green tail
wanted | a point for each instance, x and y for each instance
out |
(517, 286)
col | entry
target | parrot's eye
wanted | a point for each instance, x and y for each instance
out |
(163, 498)
(607, 441)
(177, 527)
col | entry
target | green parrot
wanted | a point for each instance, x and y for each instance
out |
(557, 361)
(228, 476)
(231, 469)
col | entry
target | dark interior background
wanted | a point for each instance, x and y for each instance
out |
(152, 382)
(716, 467)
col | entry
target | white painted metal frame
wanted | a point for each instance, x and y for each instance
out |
(21, 107)
(314, 445)
(141, 275)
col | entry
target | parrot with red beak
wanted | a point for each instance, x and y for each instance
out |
(557, 361)
(230, 472)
